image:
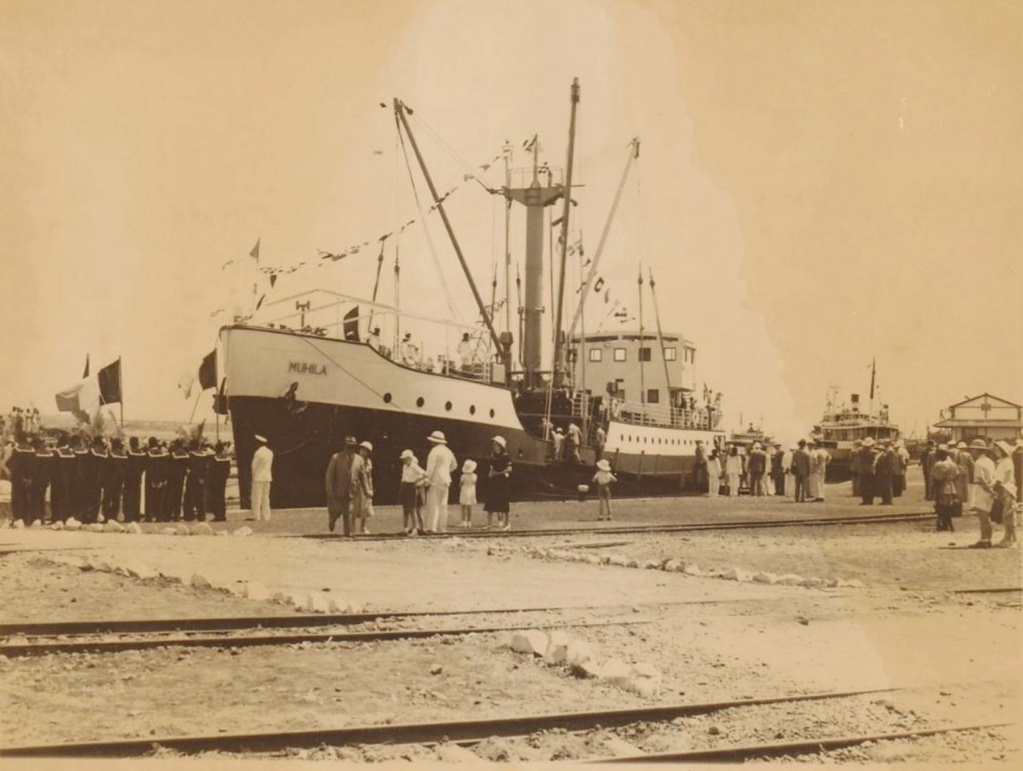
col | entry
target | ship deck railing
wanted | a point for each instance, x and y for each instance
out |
(664, 415)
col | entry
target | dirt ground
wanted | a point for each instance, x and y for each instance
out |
(711, 639)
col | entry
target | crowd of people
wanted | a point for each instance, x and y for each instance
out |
(982, 477)
(59, 476)
(766, 470)
(423, 492)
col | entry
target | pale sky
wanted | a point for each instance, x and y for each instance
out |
(820, 182)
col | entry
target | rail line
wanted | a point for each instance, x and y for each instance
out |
(17, 650)
(633, 529)
(465, 732)
(739, 754)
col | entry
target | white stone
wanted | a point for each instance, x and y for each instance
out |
(202, 529)
(813, 583)
(200, 581)
(632, 563)
(134, 528)
(138, 570)
(616, 672)
(652, 565)
(765, 578)
(72, 524)
(243, 531)
(644, 679)
(4, 524)
(354, 606)
(95, 527)
(790, 579)
(18, 524)
(336, 605)
(620, 748)
(557, 648)
(529, 641)
(102, 566)
(58, 525)
(855, 583)
(692, 569)
(282, 597)
(37, 523)
(589, 669)
(579, 652)
(673, 565)
(592, 559)
(255, 590)
(113, 526)
(452, 753)
(738, 574)
(181, 529)
(167, 531)
(317, 603)
(617, 559)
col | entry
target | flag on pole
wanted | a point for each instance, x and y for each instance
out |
(254, 254)
(81, 399)
(351, 324)
(185, 383)
(109, 381)
(208, 371)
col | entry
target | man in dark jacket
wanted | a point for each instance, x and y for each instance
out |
(867, 457)
(218, 469)
(339, 483)
(884, 472)
(801, 471)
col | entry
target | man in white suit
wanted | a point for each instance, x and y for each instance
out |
(262, 476)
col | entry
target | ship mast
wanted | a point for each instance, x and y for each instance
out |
(399, 109)
(559, 342)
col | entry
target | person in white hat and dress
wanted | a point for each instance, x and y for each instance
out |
(362, 488)
(262, 476)
(604, 479)
(440, 464)
(467, 491)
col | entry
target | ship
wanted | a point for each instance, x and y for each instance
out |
(845, 423)
(307, 379)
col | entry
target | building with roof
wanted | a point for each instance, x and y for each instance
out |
(986, 416)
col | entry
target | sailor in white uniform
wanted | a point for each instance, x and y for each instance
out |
(262, 476)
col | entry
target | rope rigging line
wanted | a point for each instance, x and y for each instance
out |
(452, 306)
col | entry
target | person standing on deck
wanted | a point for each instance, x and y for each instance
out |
(440, 464)
(262, 476)
(465, 354)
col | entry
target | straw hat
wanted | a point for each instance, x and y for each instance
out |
(978, 444)
(260, 438)
(366, 446)
(438, 437)
(1004, 447)
(499, 440)
(351, 440)
(603, 465)
(961, 446)
(469, 466)
(868, 442)
(406, 454)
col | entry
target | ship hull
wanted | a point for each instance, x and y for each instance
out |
(306, 394)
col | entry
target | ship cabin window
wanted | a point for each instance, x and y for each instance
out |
(619, 354)
(653, 395)
(644, 354)
(669, 354)
(596, 354)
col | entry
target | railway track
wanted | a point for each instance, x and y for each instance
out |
(687, 527)
(252, 636)
(468, 733)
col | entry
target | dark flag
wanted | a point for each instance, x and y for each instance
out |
(86, 373)
(208, 371)
(351, 324)
(110, 383)
(220, 399)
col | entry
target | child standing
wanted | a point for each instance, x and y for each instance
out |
(467, 491)
(412, 477)
(604, 478)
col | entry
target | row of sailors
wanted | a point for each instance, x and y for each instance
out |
(100, 482)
